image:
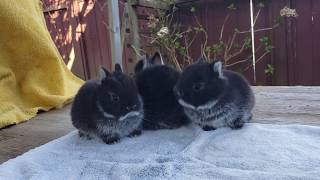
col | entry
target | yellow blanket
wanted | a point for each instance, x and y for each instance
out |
(32, 73)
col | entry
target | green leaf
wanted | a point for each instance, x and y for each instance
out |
(232, 7)
(182, 50)
(247, 43)
(269, 70)
(178, 35)
(269, 48)
(176, 44)
(279, 19)
(193, 9)
(208, 49)
(260, 5)
(197, 29)
(217, 48)
(265, 40)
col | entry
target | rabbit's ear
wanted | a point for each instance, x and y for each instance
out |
(145, 60)
(157, 58)
(117, 68)
(103, 73)
(217, 68)
(141, 64)
(201, 59)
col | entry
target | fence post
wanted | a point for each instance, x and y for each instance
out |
(115, 33)
(252, 40)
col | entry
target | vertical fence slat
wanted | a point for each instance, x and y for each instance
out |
(279, 40)
(291, 43)
(303, 68)
(316, 42)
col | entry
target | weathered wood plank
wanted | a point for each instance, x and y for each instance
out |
(287, 105)
(288, 89)
(274, 105)
(18, 139)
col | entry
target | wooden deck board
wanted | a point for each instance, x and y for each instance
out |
(18, 139)
(287, 105)
(275, 105)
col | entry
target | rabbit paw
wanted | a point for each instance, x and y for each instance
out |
(135, 133)
(237, 124)
(109, 139)
(84, 135)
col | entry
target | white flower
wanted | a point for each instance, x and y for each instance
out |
(288, 12)
(163, 31)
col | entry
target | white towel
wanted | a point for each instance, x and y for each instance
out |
(256, 151)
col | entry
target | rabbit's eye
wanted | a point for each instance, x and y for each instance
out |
(198, 86)
(114, 97)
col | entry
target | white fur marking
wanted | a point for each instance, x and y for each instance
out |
(210, 113)
(130, 114)
(102, 74)
(185, 104)
(217, 67)
(106, 115)
(145, 63)
(161, 59)
(208, 105)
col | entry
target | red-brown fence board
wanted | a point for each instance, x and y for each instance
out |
(316, 42)
(296, 56)
(279, 55)
(304, 63)
(81, 27)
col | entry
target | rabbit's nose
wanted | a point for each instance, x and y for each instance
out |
(130, 108)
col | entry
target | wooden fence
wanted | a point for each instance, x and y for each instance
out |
(80, 32)
(296, 57)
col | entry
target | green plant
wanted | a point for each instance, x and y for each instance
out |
(171, 39)
(229, 51)
(176, 42)
(269, 70)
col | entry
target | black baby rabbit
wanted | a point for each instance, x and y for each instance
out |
(109, 107)
(213, 97)
(155, 84)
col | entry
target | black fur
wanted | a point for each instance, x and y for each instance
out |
(100, 104)
(200, 75)
(155, 84)
(139, 66)
(217, 97)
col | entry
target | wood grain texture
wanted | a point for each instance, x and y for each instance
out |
(48, 126)
(295, 57)
(274, 105)
(287, 105)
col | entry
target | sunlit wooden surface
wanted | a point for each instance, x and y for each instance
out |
(275, 105)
